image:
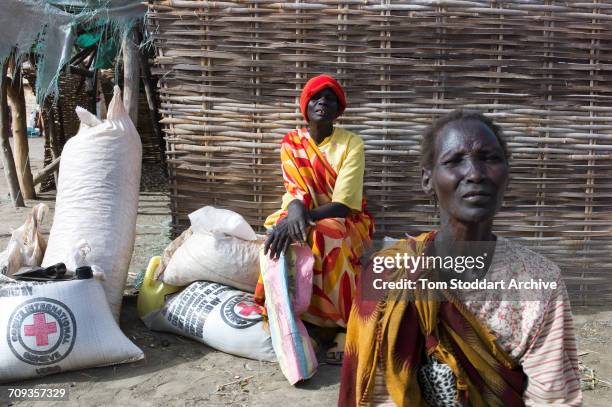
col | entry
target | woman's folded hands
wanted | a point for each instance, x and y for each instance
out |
(293, 228)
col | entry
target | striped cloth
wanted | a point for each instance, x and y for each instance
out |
(551, 361)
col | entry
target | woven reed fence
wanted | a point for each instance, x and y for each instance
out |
(231, 72)
(62, 117)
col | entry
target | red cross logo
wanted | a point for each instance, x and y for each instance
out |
(246, 309)
(40, 329)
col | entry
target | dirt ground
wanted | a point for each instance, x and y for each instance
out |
(180, 372)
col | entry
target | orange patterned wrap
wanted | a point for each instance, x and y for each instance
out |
(336, 243)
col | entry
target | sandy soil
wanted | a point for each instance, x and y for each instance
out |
(180, 372)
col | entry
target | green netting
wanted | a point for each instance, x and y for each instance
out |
(99, 33)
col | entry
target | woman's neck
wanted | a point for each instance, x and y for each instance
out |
(319, 131)
(465, 232)
(451, 241)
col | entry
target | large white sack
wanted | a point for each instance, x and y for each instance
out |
(220, 246)
(97, 197)
(217, 315)
(215, 257)
(55, 327)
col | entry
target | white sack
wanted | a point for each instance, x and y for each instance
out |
(55, 327)
(170, 250)
(97, 197)
(221, 221)
(218, 258)
(220, 246)
(27, 245)
(217, 315)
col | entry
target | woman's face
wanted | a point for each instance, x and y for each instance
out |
(469, 173)
(323, 107)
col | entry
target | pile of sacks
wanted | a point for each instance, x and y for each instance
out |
(201, 287)
(51, 327)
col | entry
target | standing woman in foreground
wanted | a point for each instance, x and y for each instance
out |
(457, 350)
(323, 206)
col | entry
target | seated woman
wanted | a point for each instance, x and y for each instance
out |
(499, 352)
(323, 207)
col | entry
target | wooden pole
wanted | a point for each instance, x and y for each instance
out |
(42, 174)
(81, 55)
(5, 146)
(16, 100)
(58, 140)
(147, 81)
(94, 92)
(53, 142)
(46, 125)
(131, 80)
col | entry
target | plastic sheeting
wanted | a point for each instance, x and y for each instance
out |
(121, 11)
(46, 26)
(28, 23)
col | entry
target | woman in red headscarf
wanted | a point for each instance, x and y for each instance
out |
(323, 207)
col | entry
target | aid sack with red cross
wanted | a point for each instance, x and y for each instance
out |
(217, 315)
(49, 328)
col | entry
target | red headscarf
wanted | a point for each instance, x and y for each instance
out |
(317, 84)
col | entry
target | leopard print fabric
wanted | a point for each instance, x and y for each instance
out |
(438, 384)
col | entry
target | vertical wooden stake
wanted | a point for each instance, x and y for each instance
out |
(53, 142)
(16, 100)
(131, 79)
(46, 126)
(5, 147)
(147, 81)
